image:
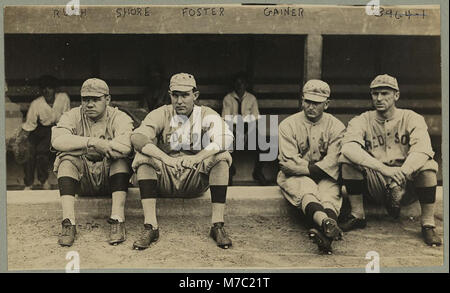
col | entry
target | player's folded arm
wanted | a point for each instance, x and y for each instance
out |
(420, 150)
(64, 141)
(287, 145)
(122, 131)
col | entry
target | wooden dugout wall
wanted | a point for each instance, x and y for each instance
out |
(279, 46)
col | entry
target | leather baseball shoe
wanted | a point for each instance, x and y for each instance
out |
(430, 237)
(353, 223)
(67, 236)
(331, 229)
(219, 235)
(148, 236)
(323, 242)
(117, 232)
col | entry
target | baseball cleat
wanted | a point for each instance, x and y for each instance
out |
(331, 229)
(353, 223)
(219, 235)
(430, 237)
(393, 198)
(148, 236)
(68, 233)
(323, 242)
(117, 232)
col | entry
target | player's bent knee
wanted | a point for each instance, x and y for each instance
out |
(351, 172)
(119, 166)
(426, 178)
(68, 186)
(68, 169)
(146, 172)
(219, 173)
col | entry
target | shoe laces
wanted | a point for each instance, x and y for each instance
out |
(66, 230)
(220, 230)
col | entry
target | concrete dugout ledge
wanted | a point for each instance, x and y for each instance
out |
(241, 201)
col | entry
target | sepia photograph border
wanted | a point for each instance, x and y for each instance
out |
(445, 131)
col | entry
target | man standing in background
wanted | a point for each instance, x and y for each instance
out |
(44, 112)
(242, 106)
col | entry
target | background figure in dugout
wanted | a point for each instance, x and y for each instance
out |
(44, 112)
(243, 107)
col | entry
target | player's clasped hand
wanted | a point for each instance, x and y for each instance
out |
(174, 163)
(395, 173)
(102, 146)
(190, 162)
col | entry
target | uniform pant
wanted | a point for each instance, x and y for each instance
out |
(326, 191)
(188, 182)
(376, 185)
(94, 177)
(40, 155)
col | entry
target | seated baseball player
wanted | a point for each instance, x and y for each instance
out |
(309, 143)
(93, 142)
(387, 155)
(181, 150)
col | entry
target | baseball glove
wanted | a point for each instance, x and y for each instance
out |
(21, 147)
(376, 185)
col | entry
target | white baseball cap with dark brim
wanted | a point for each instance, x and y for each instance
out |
(316, 90)
(182, 82)
(94, 87)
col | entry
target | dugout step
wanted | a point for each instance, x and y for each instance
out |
(241, 200)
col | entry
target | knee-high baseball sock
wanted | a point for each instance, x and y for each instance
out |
(68, 207)
(118, 205)
(218, 199)
(427, 199)
(149, 206)
(313, 210)
(357, 204)
(218, 210)
(331, 214)
(427, 218)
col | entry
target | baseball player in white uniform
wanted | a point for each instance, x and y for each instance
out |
(181, 150)
(387, 155)
(309, 143)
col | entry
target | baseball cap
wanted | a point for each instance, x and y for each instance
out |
(94, 87)
(316, 90)
(182, 82)
(384, 80)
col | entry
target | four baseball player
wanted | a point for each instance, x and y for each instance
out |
(183, 149)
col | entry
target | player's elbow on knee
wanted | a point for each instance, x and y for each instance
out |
(59, 144)
(138, 141)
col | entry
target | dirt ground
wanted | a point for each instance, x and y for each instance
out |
(258, 242)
